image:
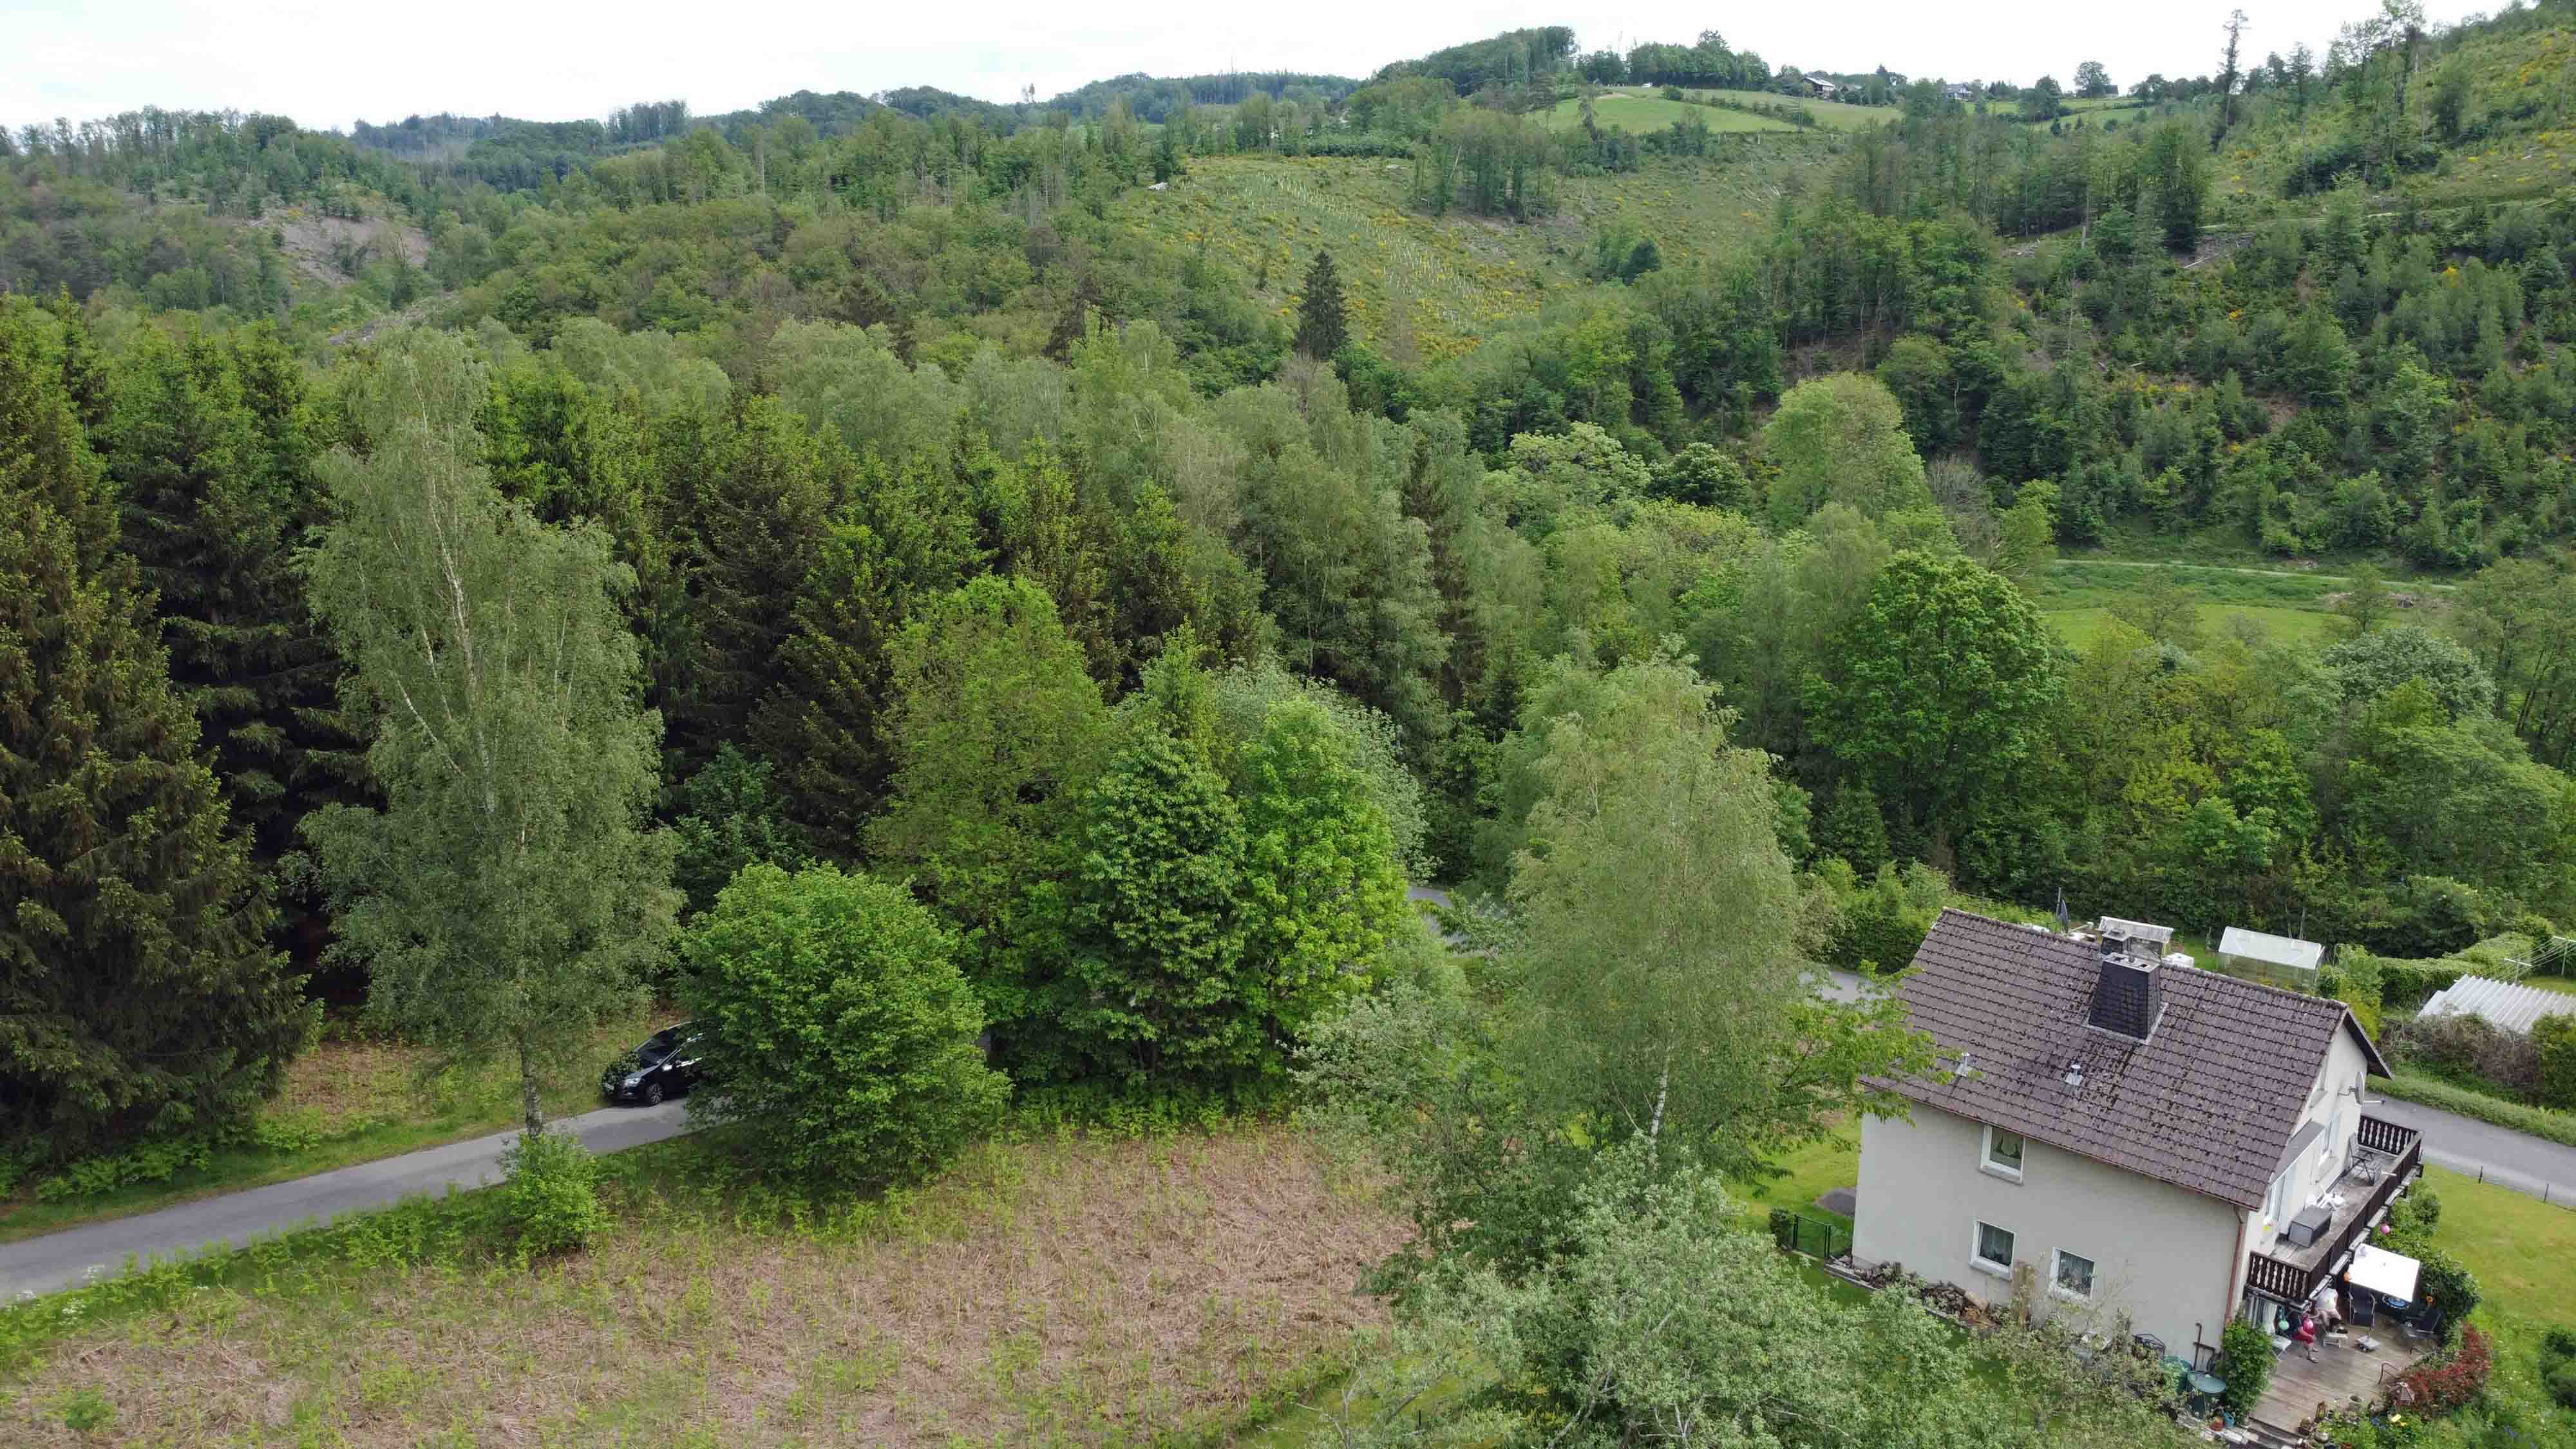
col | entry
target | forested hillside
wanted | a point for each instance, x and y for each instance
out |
(1299, 450)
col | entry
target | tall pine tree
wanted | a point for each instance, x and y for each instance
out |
(137, 991)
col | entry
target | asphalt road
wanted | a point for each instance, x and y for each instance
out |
(2517, 1160)
(65, 1259)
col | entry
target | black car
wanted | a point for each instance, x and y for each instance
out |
(664, 1066)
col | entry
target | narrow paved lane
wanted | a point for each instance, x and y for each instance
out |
(2517, 1160)
(65, 1259)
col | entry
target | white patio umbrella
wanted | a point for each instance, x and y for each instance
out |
(2381, 1271)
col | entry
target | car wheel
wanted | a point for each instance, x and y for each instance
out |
(653, 1094)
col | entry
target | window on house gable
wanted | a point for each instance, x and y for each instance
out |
(2074, 1274)
(1994, 1247)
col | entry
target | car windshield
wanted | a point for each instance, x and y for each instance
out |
(661, 1045)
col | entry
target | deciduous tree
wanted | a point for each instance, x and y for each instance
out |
(507, 897)
(846, 1033)
(1938, 689)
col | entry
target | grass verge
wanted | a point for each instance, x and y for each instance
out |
(1074, 1289)
(363, 1100)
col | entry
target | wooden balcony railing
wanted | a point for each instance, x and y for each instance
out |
(2292, 1283)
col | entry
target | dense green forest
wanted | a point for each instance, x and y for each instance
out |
(976, 513)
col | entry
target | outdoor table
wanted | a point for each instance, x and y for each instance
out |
(2208, 1387)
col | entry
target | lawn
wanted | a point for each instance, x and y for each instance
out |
(359, 1100)
(1648, 112)
(1808, 1173)
(2523, 1252)
(1072, 1290)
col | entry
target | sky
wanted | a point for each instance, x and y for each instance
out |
(328, 64)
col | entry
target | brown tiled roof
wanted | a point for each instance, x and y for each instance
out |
(2208, 1102)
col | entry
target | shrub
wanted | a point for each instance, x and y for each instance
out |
(2470, 1050)
(146, 1162)
(840, 1033)
(2562, 1385)
(86, 1411)
(2418, 1211)
(548, 1201)
(2447, 1383)
(2245, 1362)
(2553, 1040)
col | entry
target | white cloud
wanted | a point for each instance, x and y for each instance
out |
(327, 64)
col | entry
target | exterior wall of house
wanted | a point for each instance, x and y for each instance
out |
(2166, 1258)
(2332, 1102)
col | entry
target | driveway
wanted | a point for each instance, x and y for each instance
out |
(63, 1260)
(2517, 1160)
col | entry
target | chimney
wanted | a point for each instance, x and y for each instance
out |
(2129, 993)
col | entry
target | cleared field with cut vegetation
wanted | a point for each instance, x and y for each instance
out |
(1645, 111)
(1423, 287)
(1078, 1290)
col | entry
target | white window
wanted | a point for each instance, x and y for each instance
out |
(2072, 1275)
(2002, 1154)
(1993, 1250)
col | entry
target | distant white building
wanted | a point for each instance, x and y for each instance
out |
(2506, 1006)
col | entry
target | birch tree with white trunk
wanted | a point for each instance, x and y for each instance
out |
(507, 898)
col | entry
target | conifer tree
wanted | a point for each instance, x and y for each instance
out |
(137, 992)
(215, 489)
(756, 528)
(1322, 327)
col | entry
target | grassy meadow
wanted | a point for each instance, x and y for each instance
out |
(1077, 1290)
(2076, 596)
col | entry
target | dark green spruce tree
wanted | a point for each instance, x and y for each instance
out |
(1322, 326)
(210, 449)
(138, 992)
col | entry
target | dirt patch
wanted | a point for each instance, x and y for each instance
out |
(320, 245)
(1074, 1291)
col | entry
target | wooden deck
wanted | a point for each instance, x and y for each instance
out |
(2337, 1375)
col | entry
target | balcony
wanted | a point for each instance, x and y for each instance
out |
(2385, 1158)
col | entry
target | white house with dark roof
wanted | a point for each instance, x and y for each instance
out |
(2159, 1147)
